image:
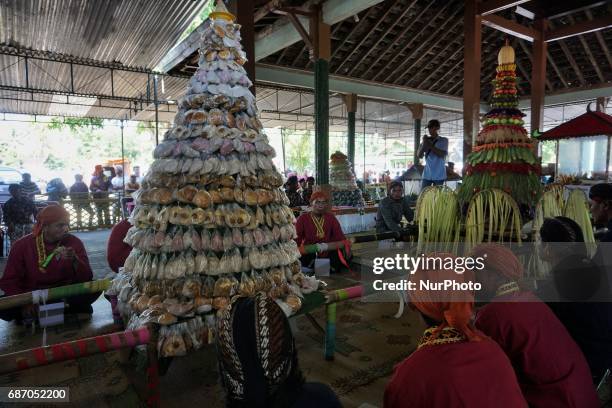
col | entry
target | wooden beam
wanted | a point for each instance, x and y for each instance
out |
(570, 58)
(585, 7)
(588, 52)
(510, 27)
(600, 104)
(363, 39)
(398, 55)
(601, 41)
(406, 29)
(281, 56)
(522, 69)
(458, 50)
(301, 30)
(333, 33)
(396, 21)
(538, 78)
(549, 59)
(489, 60)
(243, 10)
(584, 27)
(355, 28)
(305, 47)
(266, 9)
(553, 64)
(471, 74)
(494, 6)
(294, 10)
(531, 58)
(439, 35)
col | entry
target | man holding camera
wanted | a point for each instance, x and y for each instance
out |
(435, 148)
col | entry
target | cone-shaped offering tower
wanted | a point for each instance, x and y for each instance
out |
(344, 188)
(210, 220)
(503, 156)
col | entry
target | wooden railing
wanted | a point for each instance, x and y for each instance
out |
(93, 213)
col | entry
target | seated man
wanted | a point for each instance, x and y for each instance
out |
(319, 226)
(291, 189)
(392, 208)
(551, 369)
(258, 361)
(454, 365)
(581, 287)
(18, 213)
(48, 257)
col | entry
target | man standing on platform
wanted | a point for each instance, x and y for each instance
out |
(435, 148)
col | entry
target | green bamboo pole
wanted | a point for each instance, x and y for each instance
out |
(60, 292)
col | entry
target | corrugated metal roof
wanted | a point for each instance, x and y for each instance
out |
(135, 33)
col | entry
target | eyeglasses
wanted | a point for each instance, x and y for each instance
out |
(320, 202)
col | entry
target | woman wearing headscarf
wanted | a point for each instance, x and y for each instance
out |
(258, 361)
(550, 368)
(48, 257)
(578, 292)
(319, 226)
(454, 365)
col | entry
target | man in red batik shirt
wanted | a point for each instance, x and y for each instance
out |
(321, 227)
(551, 369)
(49, 257)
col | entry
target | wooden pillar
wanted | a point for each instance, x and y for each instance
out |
(417, 114)
(471, 75)
(244, 10)
(320, 34)
(600, 104)
(351, 107)
(538, 77)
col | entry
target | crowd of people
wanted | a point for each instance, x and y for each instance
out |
(505, 346)
(20, 211)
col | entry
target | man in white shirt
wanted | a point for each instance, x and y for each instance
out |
(117, 181)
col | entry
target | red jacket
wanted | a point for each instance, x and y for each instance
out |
(455, 375)
(551, 369)
(307, 233)
(22, 274)
(117, 251)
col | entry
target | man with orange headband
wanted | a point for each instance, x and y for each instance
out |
(48, 257)
(551, 369)
(454, 365)
(320, 227)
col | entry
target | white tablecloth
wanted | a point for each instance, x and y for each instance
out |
(352, 223)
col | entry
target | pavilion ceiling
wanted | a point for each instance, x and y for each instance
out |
(419, 44)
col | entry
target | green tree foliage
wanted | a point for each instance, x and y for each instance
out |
(549, 152)
(299, 150)
(75, 123)
(73, 146)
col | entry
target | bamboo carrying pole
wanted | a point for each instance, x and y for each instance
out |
(330, 312)
(60, 292)
(41, 356)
